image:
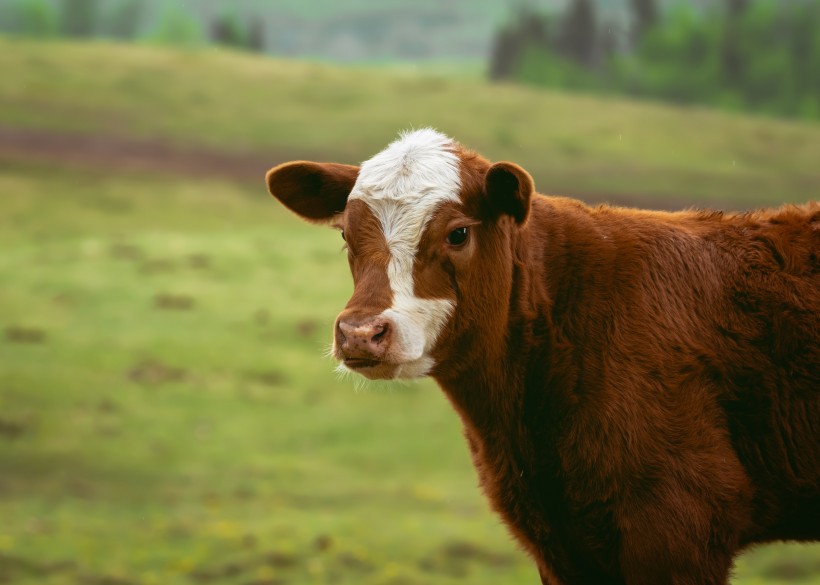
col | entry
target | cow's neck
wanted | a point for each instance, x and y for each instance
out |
(493, 391)
(510, 400)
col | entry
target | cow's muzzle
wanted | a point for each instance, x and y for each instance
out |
(363, 343)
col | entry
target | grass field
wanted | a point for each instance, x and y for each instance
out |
(166, 415)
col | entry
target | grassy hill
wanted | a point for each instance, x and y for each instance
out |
(257, 107)
(166, 415)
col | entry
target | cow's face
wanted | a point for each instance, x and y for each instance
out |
(426, 225)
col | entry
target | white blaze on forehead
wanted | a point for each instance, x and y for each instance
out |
(403, 185)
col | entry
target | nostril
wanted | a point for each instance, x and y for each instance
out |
(380, 332)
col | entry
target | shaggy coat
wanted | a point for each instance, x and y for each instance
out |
(640, 391)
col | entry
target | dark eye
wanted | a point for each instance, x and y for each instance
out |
(343, 235)
(457, 237)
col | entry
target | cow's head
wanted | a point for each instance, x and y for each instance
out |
(427, 226)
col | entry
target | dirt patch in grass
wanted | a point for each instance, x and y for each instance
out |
(19, 334)
(199, 261)
(12, 429)
(12, 568)
(105, 580)
(132, 155)
(112, 152)
(281, 560)
(219, 574)
(268, 377)
(306, 328)
(174, 302)
(237, 569)
(791, 570)
(455, 558)
(350, 562)
(467, 551)
(154, 372)
(323, 542)
(126, 252)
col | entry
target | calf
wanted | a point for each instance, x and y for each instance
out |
(640, 391)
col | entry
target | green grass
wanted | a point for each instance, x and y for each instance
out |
(249, 104)
(159, 440)
(166, 415)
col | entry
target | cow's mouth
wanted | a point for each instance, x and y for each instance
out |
(371, 369)
(360, 363)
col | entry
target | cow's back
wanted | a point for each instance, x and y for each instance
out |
(772, 385)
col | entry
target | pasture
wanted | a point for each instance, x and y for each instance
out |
(166, 412)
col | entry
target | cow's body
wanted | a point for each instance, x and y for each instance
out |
(640, 391)
(656, 401)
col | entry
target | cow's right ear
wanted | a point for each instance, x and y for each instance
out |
(315, 191)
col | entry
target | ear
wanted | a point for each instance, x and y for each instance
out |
(315, 191)
(509, 189)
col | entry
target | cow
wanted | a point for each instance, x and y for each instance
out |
(639, 390)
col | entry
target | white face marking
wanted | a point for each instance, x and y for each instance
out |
(403, 185)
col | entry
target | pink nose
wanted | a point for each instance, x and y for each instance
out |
(364, 340)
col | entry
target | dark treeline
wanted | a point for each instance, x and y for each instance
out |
(126, 20)
(384, 31)
(758, 55)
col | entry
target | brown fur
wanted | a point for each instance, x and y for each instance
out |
(367, 254)
(640, 391)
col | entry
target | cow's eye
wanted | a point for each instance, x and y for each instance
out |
(457, 237)
(343, 235)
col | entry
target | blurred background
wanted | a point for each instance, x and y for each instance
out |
(167, 414)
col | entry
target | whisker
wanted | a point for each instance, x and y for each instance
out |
(328, 352)
(342, 372)
(361, 384)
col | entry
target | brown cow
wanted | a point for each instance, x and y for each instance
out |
(640, 390)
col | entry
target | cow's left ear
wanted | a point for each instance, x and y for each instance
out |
(509, 190)
(315, 191)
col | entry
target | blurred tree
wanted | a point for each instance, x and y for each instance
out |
(677, 59)
(79, 17)
(737, 8)
(579, 34)
(543, 67)
(227, 30)
(36, 18)
(732, 54)
(256, 35)
(504, 55)
(177, 27)
(645, 16)
(527, 30)
(124, 20)
(805, 44)
(608, 41)
(762, 55)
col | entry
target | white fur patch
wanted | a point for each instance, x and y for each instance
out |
(403, 185)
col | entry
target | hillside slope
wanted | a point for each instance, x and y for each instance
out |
(251, 106)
